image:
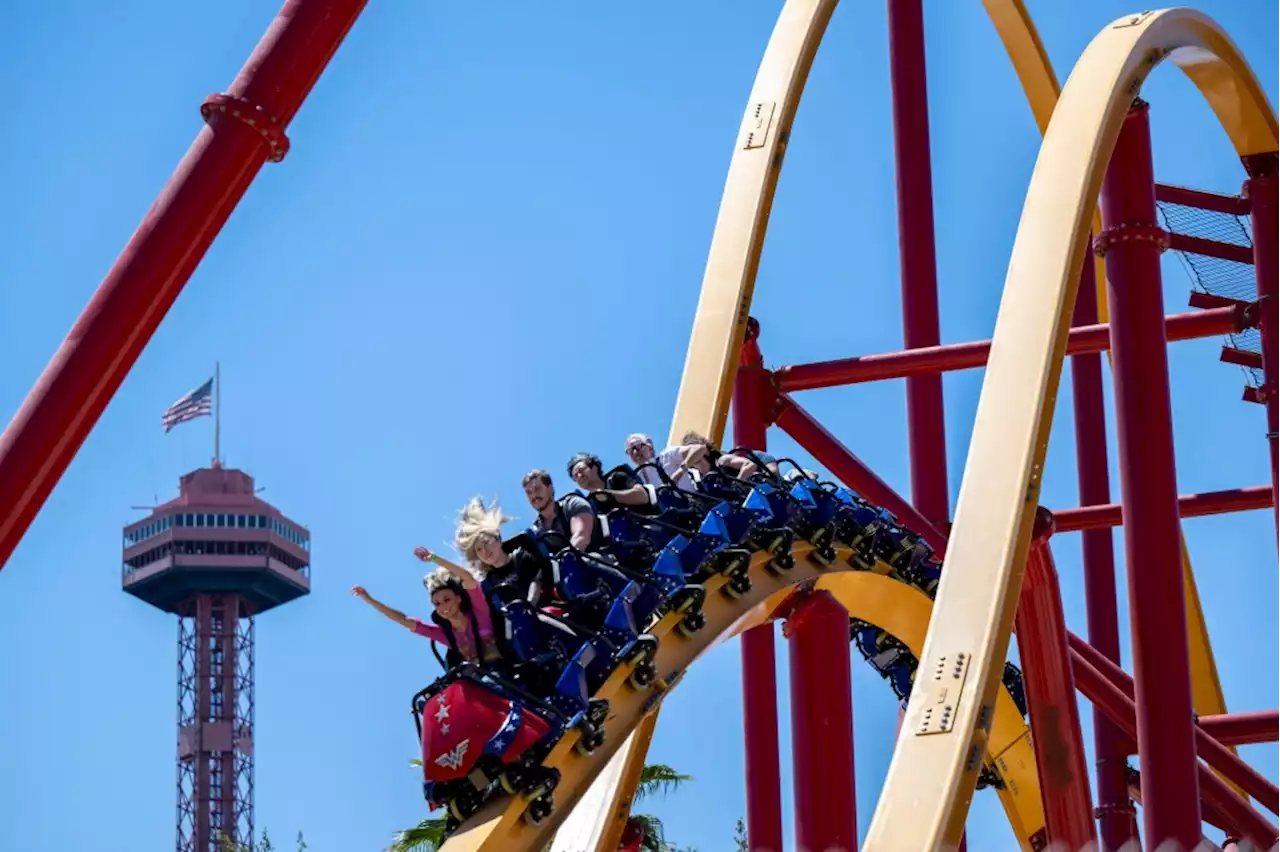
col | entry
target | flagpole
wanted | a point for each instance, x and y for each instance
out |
(217, 413)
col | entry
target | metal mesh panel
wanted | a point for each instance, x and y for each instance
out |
(1213, 275)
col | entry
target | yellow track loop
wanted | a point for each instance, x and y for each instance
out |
(930, 780)
(901, 609)
(1031, 63)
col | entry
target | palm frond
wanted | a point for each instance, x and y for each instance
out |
(654, 836)
(426, 836)
(658, 779)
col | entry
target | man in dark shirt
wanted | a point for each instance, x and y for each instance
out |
(569, 522)
(623, 487)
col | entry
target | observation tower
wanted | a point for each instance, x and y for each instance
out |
(216, 556)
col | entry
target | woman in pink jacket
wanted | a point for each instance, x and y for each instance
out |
(461, 620)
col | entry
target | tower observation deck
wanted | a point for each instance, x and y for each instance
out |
(216, 556)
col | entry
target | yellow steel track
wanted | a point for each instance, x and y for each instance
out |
(904, 611)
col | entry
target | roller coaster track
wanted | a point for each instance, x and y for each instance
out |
(881, 595)
(926, 793)
(930, 781)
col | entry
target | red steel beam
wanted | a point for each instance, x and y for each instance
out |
(926, 435)
(1189, 506)
(1117, 819)
(965, 356)
(1208, 301)
(836, 457)
(1235, 729)
(1239, 815)
(817, 633)
(1217, 202)
(1210, 248)
(244, 129)
(1262, 188)
(1241, 357)
(1148, 488)
(1041, 631)
(759, 668)
(1214, 753)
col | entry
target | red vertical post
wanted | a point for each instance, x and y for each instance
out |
(1262, 208)
(759, 669)
(245, 130)
(926, 431)
(1051, 698)
(1117, 821)
(822, 725)
(1149, 490)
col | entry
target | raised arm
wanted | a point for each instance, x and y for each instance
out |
(394, 614)
(464, 576)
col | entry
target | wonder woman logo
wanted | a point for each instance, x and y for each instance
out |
(452, 758)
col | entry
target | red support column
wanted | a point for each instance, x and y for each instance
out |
(926, 435)
(245, 129)
(1149, 490)
(759, 669)
(1266, 266)
(1051, 698)
(822, 725)
(1117, 819)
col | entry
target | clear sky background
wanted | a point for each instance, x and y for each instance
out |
(483, 254)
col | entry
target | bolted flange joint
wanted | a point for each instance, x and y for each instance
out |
(253, 116)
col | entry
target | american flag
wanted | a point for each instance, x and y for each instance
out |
(198, 403)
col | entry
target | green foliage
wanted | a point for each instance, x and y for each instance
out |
(656, 779)
(263, 845)
(426, 836)
(740, 836)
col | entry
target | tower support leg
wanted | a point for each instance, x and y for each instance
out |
(822, 725)
(1149, 491)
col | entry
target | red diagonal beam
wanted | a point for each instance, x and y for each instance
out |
(836, 457)
(244, 130)
(1119, 707)
(964, 356)
(1051, 698)
(1189, 505)
(1214, 753)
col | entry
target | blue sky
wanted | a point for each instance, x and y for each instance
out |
(483, 254)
